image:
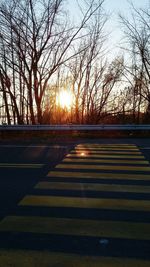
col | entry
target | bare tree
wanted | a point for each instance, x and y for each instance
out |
(39, 39)
(137, 31)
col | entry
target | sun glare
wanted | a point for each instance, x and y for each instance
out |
(65, 99)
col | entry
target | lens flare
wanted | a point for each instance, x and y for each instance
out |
(64, 99)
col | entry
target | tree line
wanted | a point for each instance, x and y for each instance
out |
(42, 50)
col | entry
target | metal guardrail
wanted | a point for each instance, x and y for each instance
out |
(75, 127)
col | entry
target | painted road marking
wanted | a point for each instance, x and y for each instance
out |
(87, 155)
(94, 228)
(93, 187)
(118, 176)
(98, 144)
(107, 148)
(67, 226)
(32, 258)
(20, 165)
(84, 202)
(93, 151)
(81, 159)
(102, 167)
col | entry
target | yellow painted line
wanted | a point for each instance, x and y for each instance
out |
(108, 149)
(20, 165)
(86, 155)
(93, 187)
(133, 162)
(98, 144)
(106, 146)
(102, 167)
(118, 176)
(32, 258)
(78, 202)
(67, 226)
(106, 152)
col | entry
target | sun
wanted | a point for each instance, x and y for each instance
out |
(64, 99)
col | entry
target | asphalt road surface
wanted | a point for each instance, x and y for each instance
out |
(84, 203)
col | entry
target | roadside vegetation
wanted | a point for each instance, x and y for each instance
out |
(55, 69)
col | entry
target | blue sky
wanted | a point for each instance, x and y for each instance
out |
(123, 5)
(112, 7)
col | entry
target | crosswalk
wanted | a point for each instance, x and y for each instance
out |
(92, 209)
